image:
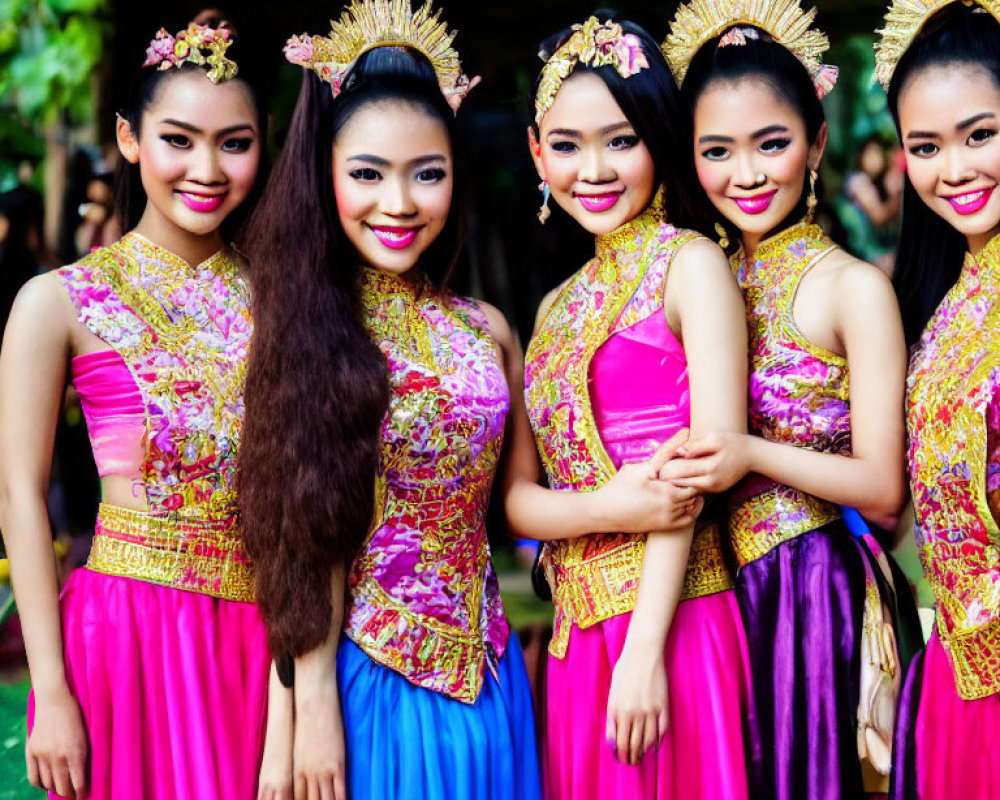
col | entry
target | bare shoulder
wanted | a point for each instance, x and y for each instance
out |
(497, 322)
(853, 278)
(700, 257)
(42, 313)
(44, 295)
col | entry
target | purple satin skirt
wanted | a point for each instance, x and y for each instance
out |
(802, 605)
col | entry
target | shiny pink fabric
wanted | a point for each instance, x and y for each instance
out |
(176, 679)
(957, 741)
(640, 397)
(112, 406)
(702, 754)
(639, 389)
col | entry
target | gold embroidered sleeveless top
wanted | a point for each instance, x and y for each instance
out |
(953, 422)
(596, 577)
(182, 332)
(798, 392)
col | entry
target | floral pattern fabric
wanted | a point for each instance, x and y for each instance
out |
(424, 598)
(953, 422)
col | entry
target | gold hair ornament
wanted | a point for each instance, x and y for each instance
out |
(700, 21)
(197, 44)
(595, 44)
(903, 22)
(368, 24)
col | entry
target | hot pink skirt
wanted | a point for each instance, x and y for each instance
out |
(956, 742)
(708, 681)
(172, 686)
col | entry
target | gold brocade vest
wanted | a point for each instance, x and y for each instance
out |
(182, 331)
(798, 391)
(424, 600)
(596, 577)
(953, 423)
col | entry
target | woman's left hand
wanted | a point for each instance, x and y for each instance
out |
(638, 707)
(710, 464)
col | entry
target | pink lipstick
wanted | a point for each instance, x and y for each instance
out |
(202, 203)
(598, 202)
(393, 237)
(971, 202)
(757, 204)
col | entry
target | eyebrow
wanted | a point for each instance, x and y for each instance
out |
(377, 161)
(194, 129)
(574, 134)
(960, 126)
(755, 135)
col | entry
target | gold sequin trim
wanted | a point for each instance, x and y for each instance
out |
(606, 585)
(975, 658)
(759, 524)
(196, 556)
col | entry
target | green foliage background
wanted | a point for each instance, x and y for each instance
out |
(48, 52)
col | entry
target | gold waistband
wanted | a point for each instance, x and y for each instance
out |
(606, 585)
(760, 523)
(197, 556)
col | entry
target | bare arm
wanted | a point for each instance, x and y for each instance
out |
(872, 478)
(319, 760)
(33, 360)
(703, 303)
(275, 781)
(633, 501)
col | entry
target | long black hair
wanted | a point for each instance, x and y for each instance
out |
(650, 101)
(317, 385)
(129, 196)
(765, 60)
(931, 251)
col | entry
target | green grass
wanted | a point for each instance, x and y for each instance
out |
(13, 732)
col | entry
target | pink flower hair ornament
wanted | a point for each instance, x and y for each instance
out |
(197, 44)
(595, 44)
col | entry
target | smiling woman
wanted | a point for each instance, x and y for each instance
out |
(377, 403)
(150, 671)
(827, 365)
(942, 72)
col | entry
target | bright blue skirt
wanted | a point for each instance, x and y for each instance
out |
(409, 743)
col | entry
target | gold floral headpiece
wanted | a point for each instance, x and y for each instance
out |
(595, 44)
(784, 21)
(198, 44)
(903, 23)
(368, 24)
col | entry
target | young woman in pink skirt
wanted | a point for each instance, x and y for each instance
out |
(647, 683)
(940, 63)
(150, 671)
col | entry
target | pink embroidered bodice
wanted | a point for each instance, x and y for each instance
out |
(424, 598)
(798, 391)
(181, 332)
(639, 384)
(112, 406)
(953, 422)
(606, 382)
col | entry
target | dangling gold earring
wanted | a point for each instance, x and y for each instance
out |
(811, 201)
(723, 236)
(544, 212)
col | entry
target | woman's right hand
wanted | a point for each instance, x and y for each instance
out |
(56, 752)
(634, 500)
(319, 758)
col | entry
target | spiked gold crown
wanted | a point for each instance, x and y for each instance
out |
(700, 21)
(903, 23)
(369, 24)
